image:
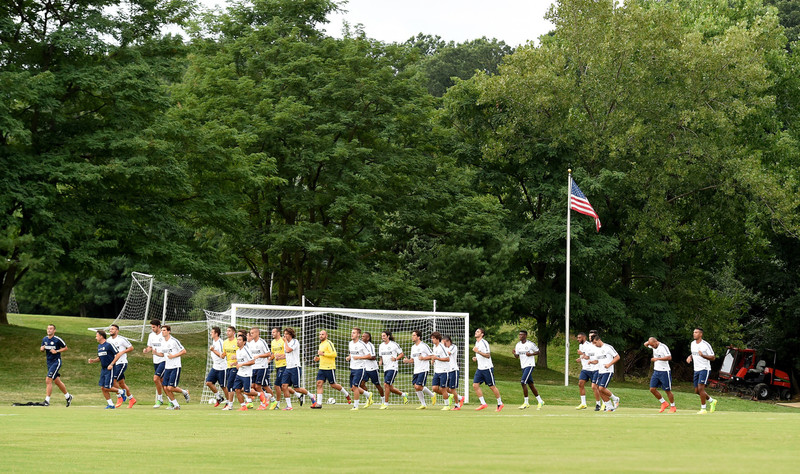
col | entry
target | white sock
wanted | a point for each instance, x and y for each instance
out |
(47, 399)
(67, 395)
(248, 400)
(355, 403)
(175, 402)
(385, 403)
(367, 394)
(319, 398)
(421, 397)
(160, 398)
(120, 392)
(661, 400)
(404, 394)
(427, 391)
(539, 399)
(526, 400)
(344, 392)
(108, 400)
(184, 392)
(499, 401)
(703, 406)
(483, 401)
(609, 405)
(672, 404)
(289, 402)
(710, 399)
(583, 399)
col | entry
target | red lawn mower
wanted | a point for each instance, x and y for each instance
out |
(747, 373)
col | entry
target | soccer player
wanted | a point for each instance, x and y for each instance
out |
(54, 346)
(357, 358)
(260, 351)
(279, 358)
(172, 350)
(154, 341)
(123, 346)
(390, 353)
(661, 374)
(526, 351)
(244, 371)
(106, 355)
(702, 355)
(606, 358)
(218, 367)
(453, 374)
(485, 372)
(326, 356)
(441, 366)
(371, 365)
(230, 346)
(420, 357)
(292, 376)
(586, 353)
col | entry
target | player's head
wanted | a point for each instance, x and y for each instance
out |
(101, 336)
(366, 337)
(355, 334)
(248, 335)
(523, 335)
(255, 333)
(155, 325)
(51, 330)
(592, 335)
(597, 340)
(166, 331)
(288, 332)
(113, 330)
(216, 331)
(581, 337)
(447, 341)
(240, 338)
(387, 336)
(276, 333)
(479, 333)
(697, 333)
(436, 337)
(323, 335)
(230, 331)
(416, 335)
(652, 342)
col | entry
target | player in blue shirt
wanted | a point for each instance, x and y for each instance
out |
(107, 356)
(53, 346)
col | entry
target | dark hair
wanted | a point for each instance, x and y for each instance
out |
(276, 328)
(368, 335)
(169, 329)
(389, 334)
(483, 331)
(522, 331)
(436, 335)
(582, 334)
(592, 335)
(115, 326)
(417, 332)
(216, 330)
(290, 331)
(242, 336)
(447, 338)
(155, 322)
(102, 334)
(593, 331)
(698, 328)
(232, 328)
(51, 324)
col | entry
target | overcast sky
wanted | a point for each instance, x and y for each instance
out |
(513, 21)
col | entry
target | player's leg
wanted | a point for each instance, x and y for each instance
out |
(320, 385)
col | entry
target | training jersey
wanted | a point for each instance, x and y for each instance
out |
(256, 349)
(605, 354)
(217, 362)
(370, 364)
(243, 355)
(120, 344)
(661, 351)
(154, 341)
(452, 352)
(387, 351)
(418, 350)
(56, 343)
(292, 358)
(357, 348)
(588, 350)
(440, 367)
(277, 349)
(106, 352)
(230, 347)
(522, 350)
(172, 346)
(327, 361)
(484, 363)
(701, 363)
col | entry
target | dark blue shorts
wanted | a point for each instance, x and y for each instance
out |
(216, 376)
(389, 376)
(662, 378)
(590, 375)
(106, 378)
(372, 376)
(279, 375)
(291, 377)
(452, 379)
(604, 379)
(54, 369)
(484, 376)
(440, 380)
(242, 383)
(158, 369)
(327, 375)
(700, 377)
(356, 376)
(172, 377)
(420, 379)
(119, 371)
(260, 377)
(527, 375)
(230, 377)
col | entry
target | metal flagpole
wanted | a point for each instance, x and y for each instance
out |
(566, 313)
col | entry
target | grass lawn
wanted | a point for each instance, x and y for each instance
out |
(201, 438)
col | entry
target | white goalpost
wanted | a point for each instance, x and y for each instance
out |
(338, 322)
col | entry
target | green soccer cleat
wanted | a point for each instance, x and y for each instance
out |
(273, 405)
(524, 406)
(713, 405)
(539, 405)
(249, 405)
(158, 404)
(369, 401)
(405, 399)
(433, 399)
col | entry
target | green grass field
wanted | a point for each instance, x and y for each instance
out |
(741, 436)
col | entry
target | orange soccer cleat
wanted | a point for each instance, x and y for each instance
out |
(482, 407)
(131, 402)
(663, 407)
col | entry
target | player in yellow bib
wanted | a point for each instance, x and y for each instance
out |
(229, 348)
(326, 356)
(279, 358)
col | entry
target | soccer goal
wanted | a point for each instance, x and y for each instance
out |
(338, 322)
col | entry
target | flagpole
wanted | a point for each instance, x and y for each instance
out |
(566, 313)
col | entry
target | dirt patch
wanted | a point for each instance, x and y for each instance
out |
(793, 405)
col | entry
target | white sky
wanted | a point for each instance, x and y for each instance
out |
(513, 21)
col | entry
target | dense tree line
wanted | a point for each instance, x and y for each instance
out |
(359, 173)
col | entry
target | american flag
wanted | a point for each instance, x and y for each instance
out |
(579, 203)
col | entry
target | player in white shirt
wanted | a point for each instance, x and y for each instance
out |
(219, 366)
(606, 358)
(452, 375)
(244, 371)
(420, 356)
(371, 365)
(357, 356)
(259, 349)
(390, 352)
(172, 350)
(485, 371)
(662, 376)
(154, 341)
(526, 351)
(702, 355)
(292, 376)
(586, 353)
(123, 346)
(441, 366)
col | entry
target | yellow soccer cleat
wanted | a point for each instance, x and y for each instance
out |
(539, 405)
(422, 407)
(369, 401)
(702, 411)
(433, 399)
(384, 407)
(582, 406)
(713, 405)
(446, 408)
(524, 406)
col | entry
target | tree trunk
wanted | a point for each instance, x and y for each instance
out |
(7, 279)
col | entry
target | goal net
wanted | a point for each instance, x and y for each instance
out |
(12, 304)
(338, 322)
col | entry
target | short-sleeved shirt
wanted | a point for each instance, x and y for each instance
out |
(357, 348)
(106, 352)
(484, 363)
(154, 341)
(605, 354)
(588, 350)
(327, 361)
(452, 352)
(440, 367)
(293, 358)
(387, 351)
(417, 351)
(172, 346)
(701, 363)
(522, 350)
(56, 343)
(256, 349)
(661, 351)
(217, 362)
(243, 355)
(371, 364)
(277, 349)
(120, 344)
(230, 347)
